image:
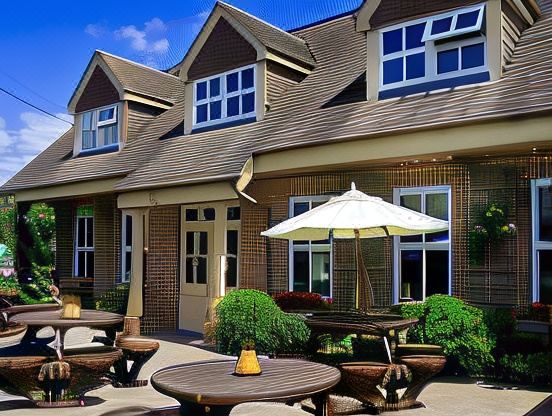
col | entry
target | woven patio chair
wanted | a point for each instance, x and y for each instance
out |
(22, 373)
(135, 348)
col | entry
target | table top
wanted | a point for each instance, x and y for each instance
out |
(15, 309)
(213, 382)
(53, 318)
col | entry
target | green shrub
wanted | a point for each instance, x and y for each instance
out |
(114, 300)
(252, 316)
(533, 368)
(38, 291)
(459, 328)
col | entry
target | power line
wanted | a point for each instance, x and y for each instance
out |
(34, 106)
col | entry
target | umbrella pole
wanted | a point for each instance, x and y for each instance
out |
(364, 286)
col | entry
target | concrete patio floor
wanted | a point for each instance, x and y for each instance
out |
(446, 396)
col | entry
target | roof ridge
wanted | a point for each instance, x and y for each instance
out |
(261, 20)
(99, 51)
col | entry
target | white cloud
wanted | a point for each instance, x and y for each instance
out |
(146, 40)
(19, 147)
(95, 30)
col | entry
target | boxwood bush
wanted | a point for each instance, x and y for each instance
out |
(459, 328)
(251, 316)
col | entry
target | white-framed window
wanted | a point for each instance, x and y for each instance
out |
(126, 248)
(225, 97)
(422, 263)
(310, 262)
(541, 193)
(232, 246)
(84, 241)
(444, 46)
(100, 128)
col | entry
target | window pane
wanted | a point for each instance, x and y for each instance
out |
(232, 272)
(107, 135)
(106, 114)
(300, 208)
(437, 207)
(216, 110)
(414, 35)
(545, 276)
(247, 78)
(90, 232)
(248, 103)
(473, 56)
(128, 265)
(89, 264)
(190, 242)
(87, 121)
(214, 87)
(189, 270)
(447, 61)
(201, 113)
(437, 271)
(321, 273)
(88, 139)
(128, 230)
(191, 215)
(202, 242)
(209, 214)
(545, 214)
(233, 213)
(202, 270)
(201, 91)
(233, 106)
(392, 41)
(301, 271)
(81, 232)
(441, 25)
(393, 71)
(467, 19)
(232, 82)
(413, 202)
(412, 274)
(415, 66)
(232, 242)
(81, 264)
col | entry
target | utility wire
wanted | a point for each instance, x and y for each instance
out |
(34, 106)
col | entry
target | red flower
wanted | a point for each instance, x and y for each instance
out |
(41, 215)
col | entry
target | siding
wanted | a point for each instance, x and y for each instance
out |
(224, 49)
(105, 244)
(99, 91)
(510, 37)
(64, 239)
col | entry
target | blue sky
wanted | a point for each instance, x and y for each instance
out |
(46, 46)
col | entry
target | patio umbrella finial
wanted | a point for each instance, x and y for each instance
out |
(353, 186)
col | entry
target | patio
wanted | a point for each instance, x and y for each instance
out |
(444, 396)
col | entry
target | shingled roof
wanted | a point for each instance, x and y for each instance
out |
(299, 117)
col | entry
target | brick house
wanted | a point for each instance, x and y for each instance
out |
(167, 178)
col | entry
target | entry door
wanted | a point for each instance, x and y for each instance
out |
(542, 240)
(196, 274)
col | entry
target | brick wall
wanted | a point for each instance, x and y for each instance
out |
(106, 244)
(64, 238)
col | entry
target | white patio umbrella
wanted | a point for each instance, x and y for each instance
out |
(356, 215)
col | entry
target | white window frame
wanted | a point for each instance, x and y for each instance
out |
(424, 246)
(431, 50)
(454, 32)
(537, 244)
(126, 247)
(309, 246)
(96, 124)
(224, 96)
(82, 249)
(233, 225)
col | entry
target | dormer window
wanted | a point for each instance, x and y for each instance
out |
(442, 51)
(100, 128)
(224, 98)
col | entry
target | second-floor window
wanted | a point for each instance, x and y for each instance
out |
(225, 97)
(448, 46)
(100, 128)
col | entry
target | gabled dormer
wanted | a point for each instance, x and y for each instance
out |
(113, 101)
(421, 46)
(237, 66)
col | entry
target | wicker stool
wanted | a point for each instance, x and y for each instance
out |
(418, 349)
(137, 349)
(22, 373)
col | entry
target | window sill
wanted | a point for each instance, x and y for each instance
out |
(99, 150)
(224, 125)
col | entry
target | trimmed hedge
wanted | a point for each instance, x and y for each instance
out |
(250, 316)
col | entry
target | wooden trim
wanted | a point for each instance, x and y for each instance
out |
(75, 189)
(365, 14)
(143, 100)
(494, 39)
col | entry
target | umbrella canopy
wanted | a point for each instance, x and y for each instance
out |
(354, 210)
(356, 215)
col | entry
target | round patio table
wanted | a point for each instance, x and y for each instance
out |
(210, 387)
(52, 318)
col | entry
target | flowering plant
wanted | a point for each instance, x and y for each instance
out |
(490, 227)
(302, 301)
(539, 312)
